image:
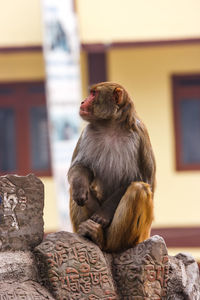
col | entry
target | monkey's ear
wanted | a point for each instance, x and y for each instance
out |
(118, 95)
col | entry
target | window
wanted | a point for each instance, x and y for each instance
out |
(186, 100)
(24, 143)
(97, 67)
(7, 140)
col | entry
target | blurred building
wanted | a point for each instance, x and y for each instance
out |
(150, 47)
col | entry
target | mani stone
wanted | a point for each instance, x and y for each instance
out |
(21, 212)
(73, 268)
(146, 272)
(18, 277)
(142, 272)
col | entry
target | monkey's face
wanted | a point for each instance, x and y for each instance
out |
(103, 102)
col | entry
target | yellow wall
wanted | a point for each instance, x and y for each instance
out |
(21, 66)
(104, 21)
(116, 20)
(146, 73)
(20, 23)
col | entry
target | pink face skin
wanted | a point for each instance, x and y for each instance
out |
(85, 106)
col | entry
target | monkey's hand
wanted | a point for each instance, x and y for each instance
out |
(106, 211)
(101, 218)
(80, 189)
(93, 231)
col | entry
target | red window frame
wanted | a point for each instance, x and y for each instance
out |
(21, 102)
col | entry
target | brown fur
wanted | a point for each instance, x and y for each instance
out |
(112, 174)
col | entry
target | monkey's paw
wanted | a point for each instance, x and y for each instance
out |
(93, 231)
(104, 222)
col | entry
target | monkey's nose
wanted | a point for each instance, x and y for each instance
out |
(82, 102)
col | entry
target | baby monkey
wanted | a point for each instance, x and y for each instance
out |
(112, 173)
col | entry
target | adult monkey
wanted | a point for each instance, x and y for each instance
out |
(112, 173)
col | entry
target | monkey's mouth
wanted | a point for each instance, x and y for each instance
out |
(84, 112)
(85, 108)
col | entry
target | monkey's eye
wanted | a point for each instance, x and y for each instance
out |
(93, 92)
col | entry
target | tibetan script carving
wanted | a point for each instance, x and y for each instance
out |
(73, 268)
(142, 272)
(10, 197)
(66, 266)
(21, 212)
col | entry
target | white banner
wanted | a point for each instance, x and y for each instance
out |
(62, 54)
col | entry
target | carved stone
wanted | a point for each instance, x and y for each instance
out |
(73, 268)
(21, 228)
(21, 212)
(184, 280)
(142, 272)
(19, 276)
(17, 266)
(29, 290)
(66, 266)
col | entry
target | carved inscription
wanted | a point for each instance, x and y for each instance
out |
(141, 273)
(21, 212)
(11, 196)
(156, 277)
(76, 269)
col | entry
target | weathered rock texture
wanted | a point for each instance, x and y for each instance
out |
(21, 228)
(74, 268)
(17, 266)
(29, 290)
(19, 276)
(184, 281)
(21, 212)
(142, 272)
(66, 266)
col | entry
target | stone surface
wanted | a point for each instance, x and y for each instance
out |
(73, 268)
(184, 280)
(29, 290)
(66, 266)
(19, 276)
(142, 272)
(21, 212)
(17, 266)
